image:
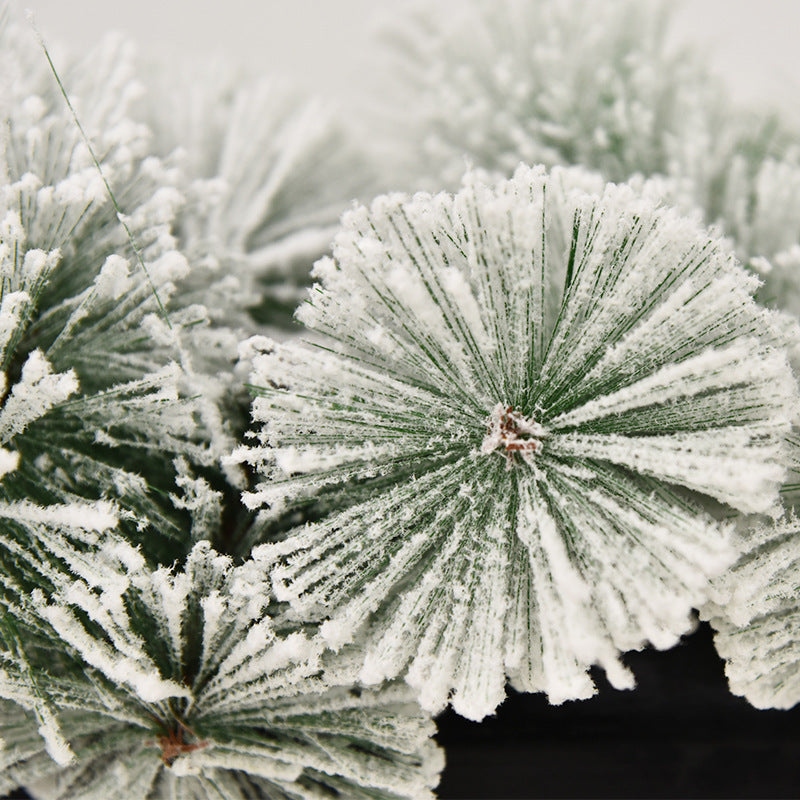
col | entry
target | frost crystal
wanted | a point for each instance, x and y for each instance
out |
(517, 386)
(102, 376)
(270, 174)
(553, 81)
(756, 615)
(743, 174)
(175, 683)
(568, 82)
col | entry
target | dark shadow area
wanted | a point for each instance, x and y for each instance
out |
(680, 733)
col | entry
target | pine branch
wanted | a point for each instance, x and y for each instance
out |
(100, 389)
(551, 82)
(756, 616)
(177, 681)
(269, 173)
(516, 386)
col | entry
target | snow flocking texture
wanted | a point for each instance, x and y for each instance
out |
(161, 682)
(84, 376)
(552, 82)
(269, 172)
(571, 82)
(176, 683)
(755, 612)
(746, 181)
(530, 408)
(140, 679)
(535, 400)
(111, 365)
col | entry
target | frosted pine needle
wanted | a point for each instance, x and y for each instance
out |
(757, 616)
(270, 172)
(595, 84)
(96, 378)
(175, 683)
(518, 386)
(743, 173)
(35, 541)
(553, 82)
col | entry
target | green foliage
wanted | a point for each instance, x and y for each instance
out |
(513, 382)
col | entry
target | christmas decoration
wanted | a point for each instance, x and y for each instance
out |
(546, 82)
(757, 624)
(269, 173)
(514, 381)
(535, 419)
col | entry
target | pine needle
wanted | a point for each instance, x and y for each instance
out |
(120, 216)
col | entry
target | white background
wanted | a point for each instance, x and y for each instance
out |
(325, 45)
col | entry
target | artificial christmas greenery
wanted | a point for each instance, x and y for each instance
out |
(515, 380)
(757, 621)
(139, 668)
(540, 82)
(94, 332)
(179, 684)
(268, 173)
(534, 421)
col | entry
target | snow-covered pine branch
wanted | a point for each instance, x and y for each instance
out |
(742, 172)
(756, 615)
(496, 82)
(36, 543)
(107, 369)
(269, 173)
(518, 385)
(595, 84)
(175, 682)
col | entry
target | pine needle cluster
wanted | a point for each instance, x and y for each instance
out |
(759, 615)
(138, 659)
(496, 84)
(535, 420)
(268, 172)
(515, 381)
